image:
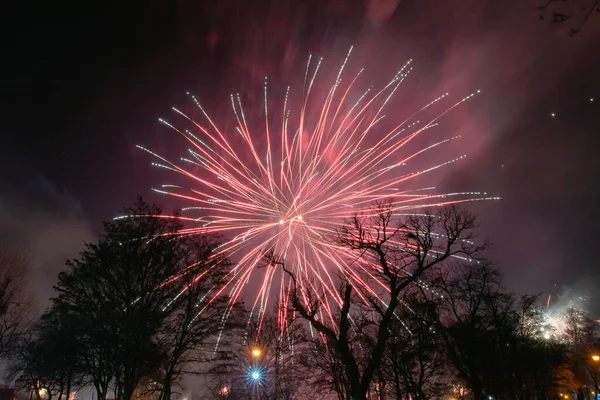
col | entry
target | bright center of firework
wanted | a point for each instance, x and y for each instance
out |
(297, 217)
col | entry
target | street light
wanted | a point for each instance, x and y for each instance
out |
(255, 375)
(595, 357)
(224, 391)
(256, 352)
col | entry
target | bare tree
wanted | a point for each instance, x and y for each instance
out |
(583, 338)
(415, 360)
(47, 359)
(567, 11)
(16, 300)
(197, 314)
(399, 252)
(327, 377)
(480, 321)
(464, 319)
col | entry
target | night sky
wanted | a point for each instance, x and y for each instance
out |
(82, 85)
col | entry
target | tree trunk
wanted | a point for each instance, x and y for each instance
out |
(128, 390)
(101, 389)
(69, 382)
(129, 380)
(118, 385)
(165, 393)
(61, 388)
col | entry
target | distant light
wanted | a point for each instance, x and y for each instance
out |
(552, 115)
(596, 357)
(280, 221)
(256, 352)
(546, 336)
(591, 99)
(300, 217)
(255, 375)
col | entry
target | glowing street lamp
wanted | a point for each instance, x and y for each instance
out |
(255, 375)
(596, 357)
(256, 352)
(224, 391)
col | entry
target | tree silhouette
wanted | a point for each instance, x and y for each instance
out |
(128, 290)
(16, 300)
(566, 11)
(401, 252)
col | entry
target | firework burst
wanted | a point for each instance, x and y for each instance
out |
(559, 322)
(284, 187)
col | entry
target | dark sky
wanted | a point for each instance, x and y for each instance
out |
(82, 85)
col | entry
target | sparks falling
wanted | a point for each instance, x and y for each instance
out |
(312, 163)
